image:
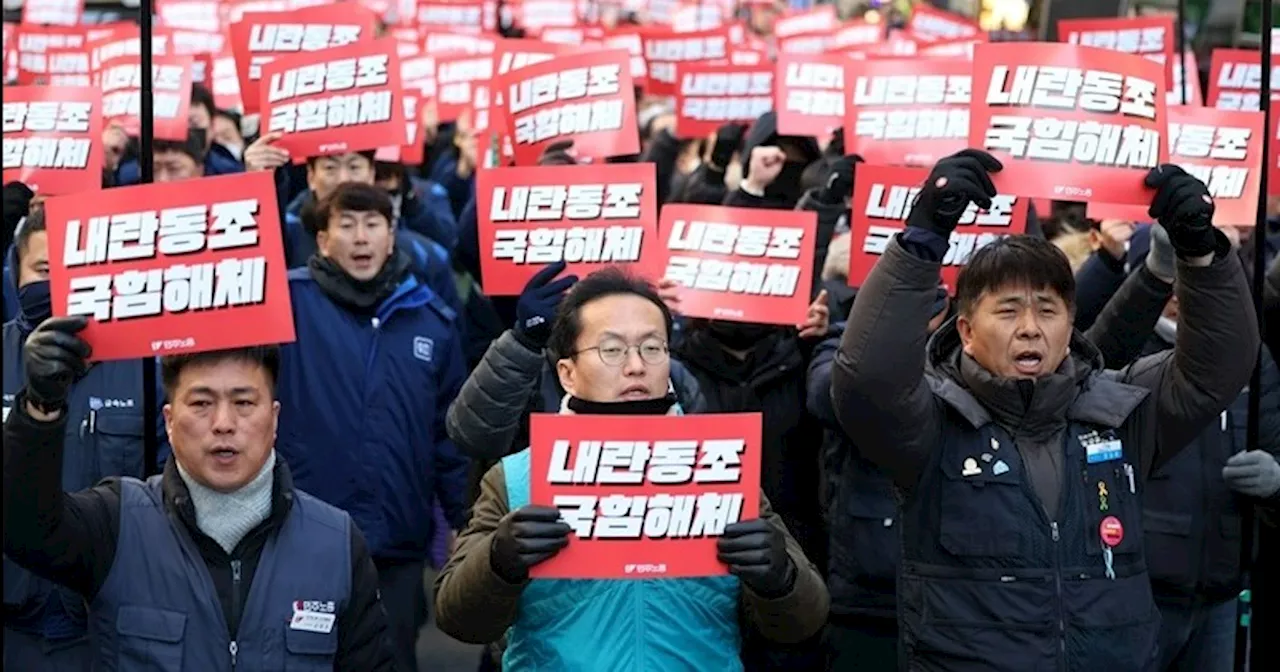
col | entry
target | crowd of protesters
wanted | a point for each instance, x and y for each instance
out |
(894, 532)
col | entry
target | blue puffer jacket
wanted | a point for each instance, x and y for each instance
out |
(217, 161)
(425, 209)
(363, 401)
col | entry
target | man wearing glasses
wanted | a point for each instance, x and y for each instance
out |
(610, 340)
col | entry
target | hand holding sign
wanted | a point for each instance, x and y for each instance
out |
(262, 155)
(952, 184)
(524, 538)
(1183, 206)
(756, 553)
(536, 307)
(52, 358)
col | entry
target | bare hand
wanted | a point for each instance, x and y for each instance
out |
(669, 292)
(818, 320)
(1114, 235)
(262, 155)
(766, 163)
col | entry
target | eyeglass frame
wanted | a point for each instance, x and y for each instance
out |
(666, 352)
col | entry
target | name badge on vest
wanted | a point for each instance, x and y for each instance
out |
(1101, 448)
(313, 616)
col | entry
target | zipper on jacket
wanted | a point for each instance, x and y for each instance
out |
(236, 577)
(233, 649)
(1057, 580)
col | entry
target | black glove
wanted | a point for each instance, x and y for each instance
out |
(756, 552)
(839, 180)
(953, 183)
(524, 538)
(1184, 208)
(52, 358)
(728, 141)
(536, 307)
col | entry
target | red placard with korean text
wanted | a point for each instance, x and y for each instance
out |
(535, 15)
(1147, 36)
(461, 16)
(441, 44)
(911, 111)
(632, 42)
(53, 138)
(57, 66)
(121, 82)
(856, 34)
(816, 20)
(462, 82)
(960, 47)
(260, 37)
(882, 199)
(589, 216)
(122, 41)
(709, 96)
(1223, 148)
(586, 98)
(809, 93)
(1235, 79)
(936, 24)
(52, 12)
(1069, 122)
(804, 43)
(164, 269)
(189, 14)
(740, 264)
(663, 49)
(335, 101)
(645, 499)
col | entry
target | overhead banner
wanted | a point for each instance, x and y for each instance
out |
(588, 216)
(709, 96)
(882, 199)
(121, 82)
(740, 264)
(1223, 148)
(911, 112)
(663, 49)
(809, 93)
(586, 98)
(335, 101)
(644, 499)
(53, 138)
(260, 37)
(1147, 36)
(165, 269)
(1069, 122)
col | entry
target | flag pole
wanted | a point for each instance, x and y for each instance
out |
(146, 175)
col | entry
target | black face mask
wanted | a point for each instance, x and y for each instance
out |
(35, 302)
(787, 185)
(740, 335)
(659, 406)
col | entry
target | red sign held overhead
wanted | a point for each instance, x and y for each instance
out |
(809, 94)
(121, 82)
(740, 264)
(589, 216)
(1235, 79)
(1069, 122)
(710, 96)
(1147, 36)
(907, 111)
(663, 49)
(52, 12)
(645, 499)
(53, 138)
(335, 101)
(882, 199)
(462, 83)
(165, 268)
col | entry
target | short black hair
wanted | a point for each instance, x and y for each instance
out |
(266, 356)
(201, 95)
(367, 153)
(348, 197)
(193, 146)
(610, 281)
(34, 223)
(233, 117)
(1029, 261)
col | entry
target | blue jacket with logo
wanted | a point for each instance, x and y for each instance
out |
(363, 401)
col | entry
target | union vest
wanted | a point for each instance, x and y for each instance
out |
(159, 611)
(103, 438)
(591, 625)
(989, 583)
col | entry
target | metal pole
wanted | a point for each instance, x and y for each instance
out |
(1180, 49)
(146, 174)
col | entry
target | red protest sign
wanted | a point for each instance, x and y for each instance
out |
(961, 47)
(804, 43)
(882, 199)
(645, 499)
(710, 96)
(53, 12)
(60, 67)
(439, 44)
(536, 15)
(816, 20)
(856, 34)
(631, 41)
(1147, 36)
(1223, 148)
(936, 24)
(462, 82)
(1235, 79)
(172, 268)
(740, 264)
(121, 82)
(589, 216)
(53, 138)
(907, 111)
(124, 41)
(809, 93)
(189, 14)
(663, 49)
(258, 38)
(463, 16)
(1069, 122)
(587, 98)
(336, 100)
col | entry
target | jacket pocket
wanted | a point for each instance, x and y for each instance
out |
(1169, 556)
(118, 444)
(872, 543)
(307, 651)
(976, 517)
(150, 639)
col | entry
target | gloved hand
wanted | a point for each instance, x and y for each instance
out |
(756, 553)
(525, 537)
(536, 307)
(953, 183)
(836, 146)
(52, 358)
(728, 141)
(1183, 206)
(839, 180)
(1160, 256)
(1254, 473)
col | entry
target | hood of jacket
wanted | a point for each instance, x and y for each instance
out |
(764, 132)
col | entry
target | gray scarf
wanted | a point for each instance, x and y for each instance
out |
(227, 516)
